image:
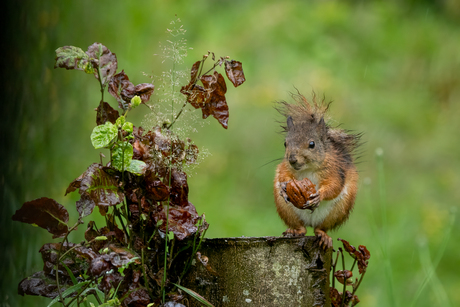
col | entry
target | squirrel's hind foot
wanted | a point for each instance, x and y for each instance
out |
(325, 241)
(299, 232)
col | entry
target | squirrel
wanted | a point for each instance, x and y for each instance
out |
(324, 155)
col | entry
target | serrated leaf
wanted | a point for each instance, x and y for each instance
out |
(71, 57)
(97, 188)
(103, 135)
(122, 154)
(45, 213)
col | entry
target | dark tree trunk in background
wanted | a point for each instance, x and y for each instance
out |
(266, 271)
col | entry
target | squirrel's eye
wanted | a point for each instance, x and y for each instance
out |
(311, 144)
(284, 144)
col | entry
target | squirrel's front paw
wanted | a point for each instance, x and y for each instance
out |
(283, 192)
(313, 202)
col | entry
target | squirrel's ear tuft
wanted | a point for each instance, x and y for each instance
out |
(322, 128)
(290, 123)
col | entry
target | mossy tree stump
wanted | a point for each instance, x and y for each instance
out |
(266, 271)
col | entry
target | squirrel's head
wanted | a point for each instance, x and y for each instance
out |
(306, 139)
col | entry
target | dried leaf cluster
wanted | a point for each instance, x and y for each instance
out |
(361, 257)
(152, 230)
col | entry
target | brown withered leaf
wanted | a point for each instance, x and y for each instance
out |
(215, 103)
(178, 187)
(362, 254)
(46, 213)
(343, 276)
(98, 266)
(155, 188)
(191, 154)
(42, 285)
(234, 71)
(195, 93)
(182, 220)
(336, 297)
(348, 247)
(354, 300)
(96, 187)
(50, 251)
(106, 113)
(134, 295)
(110, 281)
(103, 58)
(123, 90)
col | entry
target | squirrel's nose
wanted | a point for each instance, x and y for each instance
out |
(292, 159)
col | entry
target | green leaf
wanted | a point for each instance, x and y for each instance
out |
(120, 121)
(137, 167)
(135, 101)
(74, 280)
(103, 135)
(100, 238)
(97, 292)
(195, 295)
(122, 155)
(112, 303)
(71, 57)
(69, 291)
(128, 127)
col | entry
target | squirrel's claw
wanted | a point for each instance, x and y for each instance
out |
(313, 202)
(325, 241)
(283, 192)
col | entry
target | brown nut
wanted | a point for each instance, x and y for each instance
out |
(299, 191)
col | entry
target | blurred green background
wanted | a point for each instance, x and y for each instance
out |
(392, 69)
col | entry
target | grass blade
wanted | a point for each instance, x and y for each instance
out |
(195, 295)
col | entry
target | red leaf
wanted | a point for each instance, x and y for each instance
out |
(123, 90)
(103, 58)
(43, 285)
(234, 71)
(106, 113)
(46, 213)
(182, 220)
(97, 187)
(178, 187)
(155, 189)
(343, 276)
(215, 104)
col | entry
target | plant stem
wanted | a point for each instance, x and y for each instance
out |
(59, 255)
(359, 282)
(344, 282)
(333, 269)
(77, 296)
(353, 264)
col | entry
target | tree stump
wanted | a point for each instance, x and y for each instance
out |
(266, 271)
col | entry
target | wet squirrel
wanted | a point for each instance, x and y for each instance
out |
(324, 155)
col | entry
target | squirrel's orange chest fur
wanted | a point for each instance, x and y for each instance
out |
(323, 155)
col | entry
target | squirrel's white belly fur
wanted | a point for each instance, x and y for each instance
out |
(316, 217)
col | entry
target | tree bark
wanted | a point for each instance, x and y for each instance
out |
(266, 271)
